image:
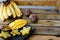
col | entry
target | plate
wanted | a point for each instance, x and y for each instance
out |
(21, 37)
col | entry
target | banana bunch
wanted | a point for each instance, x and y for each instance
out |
(9, 9)
(19, 23)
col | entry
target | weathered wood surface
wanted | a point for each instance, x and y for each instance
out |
(43, 37)
(39, 23)
(57, 4)
(36, 2)
(46, 30)
(48, 19)
(39, 3)
(47, 16)
(48, 24)
(42, 11)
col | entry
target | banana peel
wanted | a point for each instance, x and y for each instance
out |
(18, 11)
(5, 12)
(9, 11)
(1, 12)
(13, 11)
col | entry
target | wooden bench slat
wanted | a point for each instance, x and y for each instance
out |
(47, 30)
(45, 23)
(39, 3)
(51, 16)
(43, 11)
(33, 0)
(39, 23)
(43, 37)
(36, 3)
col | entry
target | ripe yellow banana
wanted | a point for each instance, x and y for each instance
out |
(5, 12)
(9, 11)
(13, 11)
(17, 14)
(18, 24)
(1, 12)
(18, 11)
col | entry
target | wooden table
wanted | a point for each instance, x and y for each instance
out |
(47, 26)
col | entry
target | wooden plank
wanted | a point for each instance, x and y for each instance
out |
(39, 23)
(33, 0)
(36, 3)
(45, 23)
(38, 7)
(42, 11)
(57, 5)
(43, 37)
(44, 20)
(51, 16)
(47, 30)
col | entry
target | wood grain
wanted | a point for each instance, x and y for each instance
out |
(44, 20)
(42, 37)
(57, 4)
(46, 30)
(51, 16)
(45, 23)
(36, 3)
(43, 11)
(33, 0)
(39, 23)
(39, 3)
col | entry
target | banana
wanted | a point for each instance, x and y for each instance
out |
(9, 11)
(1, 12)
(5, 12)
(18, 11)
(17, 14)
(13, 11)
(18, 24)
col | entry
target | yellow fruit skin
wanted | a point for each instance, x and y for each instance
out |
(25, 30)
(15, 32)
(5, 34)
(1, 12)
(5, 12)
(18, 15)
(18, 24)
(9, 11)
(12, 10)
(18, 11)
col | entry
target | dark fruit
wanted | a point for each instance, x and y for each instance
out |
(27, 12)
(33, 18)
